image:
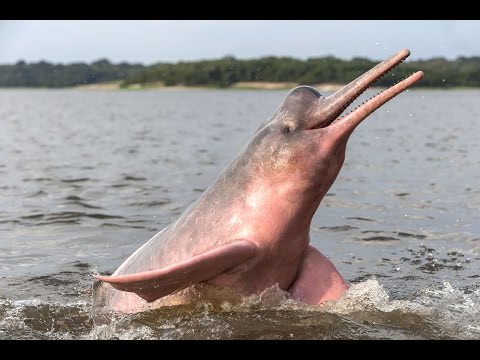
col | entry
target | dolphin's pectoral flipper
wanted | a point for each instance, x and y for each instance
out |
(318, 280)
(152, 285)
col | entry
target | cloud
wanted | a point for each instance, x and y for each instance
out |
(163, 40)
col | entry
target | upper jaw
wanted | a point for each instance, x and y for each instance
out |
(329, 108)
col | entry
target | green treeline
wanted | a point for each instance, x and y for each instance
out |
(224, 72)
(44, 74)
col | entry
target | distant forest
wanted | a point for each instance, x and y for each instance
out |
(439, 72)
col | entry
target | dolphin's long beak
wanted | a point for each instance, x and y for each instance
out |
(350, 121)
(336, 103)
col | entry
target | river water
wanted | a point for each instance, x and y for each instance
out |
(87, 177)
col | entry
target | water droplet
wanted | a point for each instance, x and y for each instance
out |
(410, 114)
(377, 43)
(443, 80)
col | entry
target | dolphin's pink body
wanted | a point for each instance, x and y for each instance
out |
(250, 229)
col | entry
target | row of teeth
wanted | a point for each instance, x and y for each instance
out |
(362, 91)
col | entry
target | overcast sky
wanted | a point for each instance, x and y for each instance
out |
(153, 41)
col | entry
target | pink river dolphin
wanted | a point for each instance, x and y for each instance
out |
(250, 229)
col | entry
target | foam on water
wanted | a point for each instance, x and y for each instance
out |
(365, 311)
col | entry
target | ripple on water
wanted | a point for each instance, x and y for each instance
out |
(75, 180)
(67, 216)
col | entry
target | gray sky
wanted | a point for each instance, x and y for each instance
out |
(153, 41)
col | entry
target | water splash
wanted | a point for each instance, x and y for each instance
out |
(365, 311)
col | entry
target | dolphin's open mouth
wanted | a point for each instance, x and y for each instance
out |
(334, 105)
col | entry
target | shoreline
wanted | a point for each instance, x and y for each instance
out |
(254, 85)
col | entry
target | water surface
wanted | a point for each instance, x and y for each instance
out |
(87, 177)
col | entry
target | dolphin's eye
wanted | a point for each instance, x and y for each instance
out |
(286, 129)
